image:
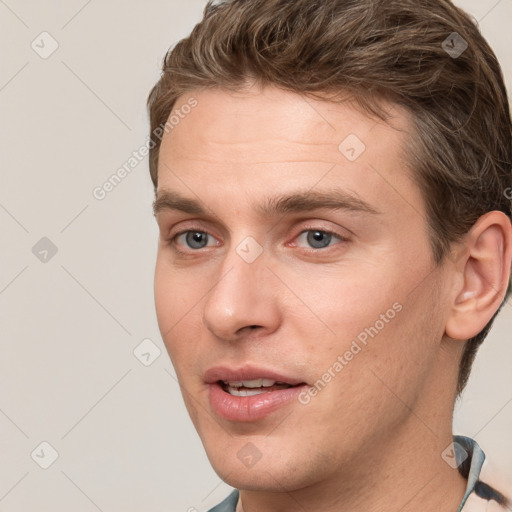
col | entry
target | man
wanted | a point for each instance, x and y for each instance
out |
(332, 186)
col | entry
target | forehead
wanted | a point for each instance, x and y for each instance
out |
(270, 114)
(266, 139)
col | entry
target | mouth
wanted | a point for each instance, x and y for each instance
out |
(253, 387)
(250, 394)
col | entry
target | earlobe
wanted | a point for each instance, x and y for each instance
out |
(484, 272)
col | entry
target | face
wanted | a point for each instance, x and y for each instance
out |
(295, 286)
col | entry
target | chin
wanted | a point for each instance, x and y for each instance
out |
(272, 473)
(259, 478)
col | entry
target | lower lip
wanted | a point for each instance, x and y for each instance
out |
(251, 408)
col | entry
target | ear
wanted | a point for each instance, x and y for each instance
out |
(484, 275)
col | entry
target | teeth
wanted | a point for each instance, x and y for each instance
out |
(246, 392)
(256, 383)
(252, 387)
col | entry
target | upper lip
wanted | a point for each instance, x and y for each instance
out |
(229, 374)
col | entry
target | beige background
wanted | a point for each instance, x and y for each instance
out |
(68, 373)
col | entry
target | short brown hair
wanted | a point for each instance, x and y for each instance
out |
(461, 145)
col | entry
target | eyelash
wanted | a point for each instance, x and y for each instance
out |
(172, 239)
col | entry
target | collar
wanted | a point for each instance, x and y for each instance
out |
(469, 458)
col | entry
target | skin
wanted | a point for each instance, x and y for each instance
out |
(372, 439)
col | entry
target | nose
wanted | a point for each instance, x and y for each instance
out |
(244, 297)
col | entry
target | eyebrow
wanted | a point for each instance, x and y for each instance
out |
(335, 199)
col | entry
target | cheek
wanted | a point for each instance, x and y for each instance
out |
(373, 323)
(394, 362)
(350, 306)
(178, 309)
(164, 300)
(169, 309)
(399, 354)
(174, 295)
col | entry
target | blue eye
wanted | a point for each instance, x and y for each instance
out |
(319, 239)
(194, 239)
